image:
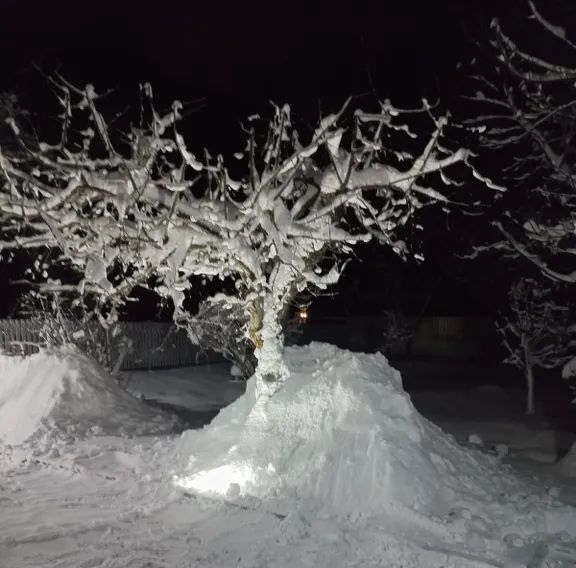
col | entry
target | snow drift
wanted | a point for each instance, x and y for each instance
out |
(341, 436)
(64, 394)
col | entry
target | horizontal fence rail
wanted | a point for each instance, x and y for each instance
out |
(160, 344)
(153, 345)
(19, 336)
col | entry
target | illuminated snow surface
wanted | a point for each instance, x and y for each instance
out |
(341, 437)
(47, 398)
(337, 470)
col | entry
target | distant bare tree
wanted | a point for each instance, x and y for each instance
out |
(536, 332)
(528, 109)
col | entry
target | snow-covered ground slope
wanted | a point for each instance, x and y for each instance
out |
(350, 432)
(489, 417)
(63, 395)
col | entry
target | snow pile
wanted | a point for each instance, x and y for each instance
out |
(341, 436)
(64, 394)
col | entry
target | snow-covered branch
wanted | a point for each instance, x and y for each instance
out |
(140, 209)
(528, 111)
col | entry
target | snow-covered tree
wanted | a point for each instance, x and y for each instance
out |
(535, 331)
(221, 327)
(528, 109)
(138, 208)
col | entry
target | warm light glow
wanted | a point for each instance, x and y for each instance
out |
(302, 314)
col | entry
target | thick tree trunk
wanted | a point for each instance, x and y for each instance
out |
(271, 371)
(530, 390)
(529, 374)
(124, 349)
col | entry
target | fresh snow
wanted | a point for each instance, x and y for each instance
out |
(197, 389)
(338, 469)
(342, 436)
(64, 395)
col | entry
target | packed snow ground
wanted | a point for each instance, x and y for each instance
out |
(76, 496)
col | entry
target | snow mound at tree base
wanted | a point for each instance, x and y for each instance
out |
(341, 436)
(63, 395)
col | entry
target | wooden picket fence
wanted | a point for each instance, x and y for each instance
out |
(153, 344)
(162, 344)
(19, 336)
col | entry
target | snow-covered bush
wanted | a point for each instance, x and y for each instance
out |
(138, 208)
(397, 332)
(220, 325)
(535, 331)
(62, 322)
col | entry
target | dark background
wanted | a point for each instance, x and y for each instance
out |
(232, 58)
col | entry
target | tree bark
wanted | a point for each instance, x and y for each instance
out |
(271, 370)
(530, 394)
(529, 374)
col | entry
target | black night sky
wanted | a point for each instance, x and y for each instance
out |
(234, 57)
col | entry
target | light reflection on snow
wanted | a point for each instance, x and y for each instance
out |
(223, 480)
